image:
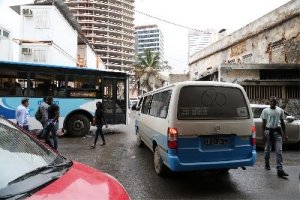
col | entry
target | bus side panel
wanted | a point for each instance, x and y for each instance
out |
(8, 106)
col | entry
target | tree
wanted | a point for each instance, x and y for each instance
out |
(147, 69)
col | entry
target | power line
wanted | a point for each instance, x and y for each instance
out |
(172, 23)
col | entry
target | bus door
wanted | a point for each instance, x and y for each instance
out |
(114, 100)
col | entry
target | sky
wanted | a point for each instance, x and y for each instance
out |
(198, 14)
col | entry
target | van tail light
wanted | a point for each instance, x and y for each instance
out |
(253, 137)
(172, 138)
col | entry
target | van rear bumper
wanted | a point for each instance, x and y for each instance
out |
(175, 165)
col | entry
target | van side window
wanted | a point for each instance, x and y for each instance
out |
(160, 104)
(146, 104)
(138, 107)
(164, 104)
(155, 104)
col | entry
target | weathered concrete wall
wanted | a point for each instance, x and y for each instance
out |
(175, 78)
(273, 38)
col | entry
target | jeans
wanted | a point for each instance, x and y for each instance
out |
(46, 135)
(275, 137)
(99, 132)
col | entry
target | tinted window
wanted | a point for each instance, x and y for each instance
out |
(211, 102)
(146, 104)
(257, 112)
(160, 104)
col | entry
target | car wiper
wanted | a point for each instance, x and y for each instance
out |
(41, 169)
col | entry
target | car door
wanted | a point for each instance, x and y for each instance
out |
(291, 129)
(258, 123)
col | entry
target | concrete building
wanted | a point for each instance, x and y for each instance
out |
(5, 44)
(51, 35)
(149, 37)
(108, 26)
(264, 57)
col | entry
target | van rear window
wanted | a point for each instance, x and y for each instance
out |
(211, 102)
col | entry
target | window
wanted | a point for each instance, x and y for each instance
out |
(5, 34)
(211, 102)
(146, 104)
(12, 83)
(160, 104)
(84, 86)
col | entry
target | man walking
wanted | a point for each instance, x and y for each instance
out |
(52, 124)
(98, 121)
(274, 130)
(22, 114)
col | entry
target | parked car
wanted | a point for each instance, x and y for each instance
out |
(292, 125)
(30, 169)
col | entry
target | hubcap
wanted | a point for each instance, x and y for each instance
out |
(78, 125)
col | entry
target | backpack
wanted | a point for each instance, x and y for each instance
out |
(38, 115)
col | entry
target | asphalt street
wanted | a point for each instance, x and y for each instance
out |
(133, 167)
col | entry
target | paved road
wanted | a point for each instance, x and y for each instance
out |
(133, 167)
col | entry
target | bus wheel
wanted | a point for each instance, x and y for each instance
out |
(78, 125)
(139, 140)
(160, 167)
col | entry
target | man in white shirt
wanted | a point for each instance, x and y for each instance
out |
(22, 114)
(274, 132)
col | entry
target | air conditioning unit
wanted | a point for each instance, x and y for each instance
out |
(26, 51)
(27, 12)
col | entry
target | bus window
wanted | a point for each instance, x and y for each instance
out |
(42, 84)
(10, 82)
(83, 86)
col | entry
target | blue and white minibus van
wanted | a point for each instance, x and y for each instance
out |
(197, 125)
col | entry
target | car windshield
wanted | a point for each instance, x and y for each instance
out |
(211, 102)
(21, 154)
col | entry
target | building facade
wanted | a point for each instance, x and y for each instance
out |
(149, 37)
(5, 44)
(108, 26)
(46, 36)
(263, 57)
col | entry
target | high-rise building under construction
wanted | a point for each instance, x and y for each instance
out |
(108, 26)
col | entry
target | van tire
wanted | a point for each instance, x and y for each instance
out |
(139, 140)
(159, 166)
(78, 125)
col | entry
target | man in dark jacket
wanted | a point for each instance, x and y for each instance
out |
(99, 120)
(52, 124)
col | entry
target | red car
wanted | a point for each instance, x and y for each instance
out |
(29, 169)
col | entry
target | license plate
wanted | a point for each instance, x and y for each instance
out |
(216, 141)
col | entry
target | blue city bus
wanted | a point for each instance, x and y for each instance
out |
(75, 90)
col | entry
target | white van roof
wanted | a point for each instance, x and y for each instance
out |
(199, 83)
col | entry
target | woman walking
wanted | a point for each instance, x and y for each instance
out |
(98, 121)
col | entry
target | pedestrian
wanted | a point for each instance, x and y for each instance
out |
(52, 124)
(274, 131)
(43, 109)
(99, 120)
(22, 114)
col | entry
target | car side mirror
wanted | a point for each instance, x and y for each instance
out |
(290, 119)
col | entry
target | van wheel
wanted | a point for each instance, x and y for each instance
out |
(139, 140)
(160, 167)
(78, 125)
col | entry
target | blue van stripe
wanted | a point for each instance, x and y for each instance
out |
(192, 155)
